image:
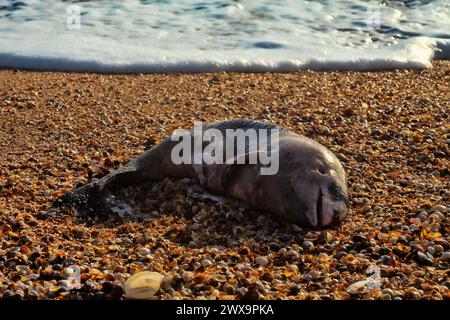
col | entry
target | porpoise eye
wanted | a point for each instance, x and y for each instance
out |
(336, 193)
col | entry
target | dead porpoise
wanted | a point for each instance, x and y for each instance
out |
(309, 189)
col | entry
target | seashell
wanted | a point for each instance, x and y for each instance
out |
(358, 287)
(219, 278)
(143, 285)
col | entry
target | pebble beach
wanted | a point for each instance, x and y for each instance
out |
(61, 130)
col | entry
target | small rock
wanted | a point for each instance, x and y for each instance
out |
(294, 290)
(438, 208)
(262, 261)
(387, 260)
(144, 251)
(431, 250)
(438, 248)
(267, 276)
(385, 227)
(413, 295)
(214, 79)
(388, 292)
(251, 295)
(292, 254)
(206, 263)
(445, 256)
(143, 285)
(23, 269)
(186, 276)
(314, 274)
(274, 246)
(67, 273)
(79, 232)
(434, 216)
(424, 260)
(308, 245)
(242, 291)
(285, 237)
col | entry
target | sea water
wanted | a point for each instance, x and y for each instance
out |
(241, 35)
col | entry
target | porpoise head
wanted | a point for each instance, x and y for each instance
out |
(310, 189)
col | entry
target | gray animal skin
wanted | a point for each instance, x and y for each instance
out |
(310, 188)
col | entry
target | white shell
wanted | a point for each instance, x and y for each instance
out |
(143, 285)
(358, 287)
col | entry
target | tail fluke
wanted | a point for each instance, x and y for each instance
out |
(85, 200)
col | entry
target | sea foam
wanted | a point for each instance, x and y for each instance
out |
(252, 36)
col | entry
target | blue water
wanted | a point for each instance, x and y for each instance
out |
(197, 36)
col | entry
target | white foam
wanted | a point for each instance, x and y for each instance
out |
(282, 36)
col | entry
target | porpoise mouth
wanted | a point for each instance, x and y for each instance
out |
(325, 216)
(319, 209)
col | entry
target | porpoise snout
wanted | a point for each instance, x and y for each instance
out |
(328, 210)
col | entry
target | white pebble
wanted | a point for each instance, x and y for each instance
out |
(144, 251)
(438, 208)
(262, 261)
(206, 263)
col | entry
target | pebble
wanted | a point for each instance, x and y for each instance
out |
(413, 295)
(274, 246)
(385, 259)
(144, 251)
(438, 248)
(315, 274)
(308, 245)
(262, 261)
(438, 208)
(267, 276)
(445, 256)
(424, 260)
(23, 269)
(143, 285)
(292, 254)
(285, 237)
(388, 292)
(294, 290)
(242, 291)
(434, 216)
(206, 263)
(186, 276)
(67, 273)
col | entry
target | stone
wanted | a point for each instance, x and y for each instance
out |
(206, 263)
(438, 208)
(308, 245)
(424, 260)
(262, 261)
(445, 256)
(144, 251)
